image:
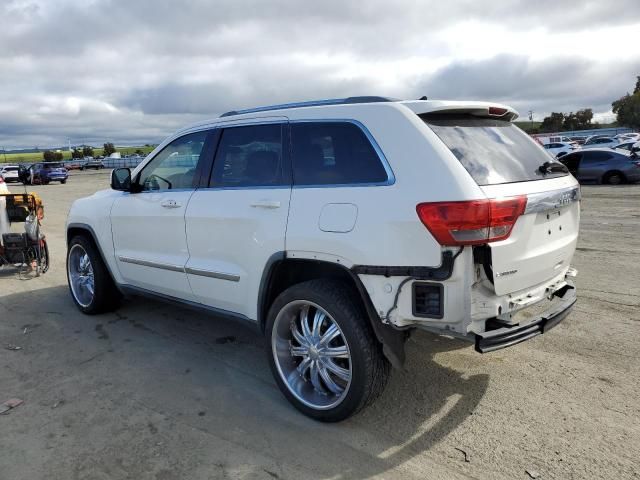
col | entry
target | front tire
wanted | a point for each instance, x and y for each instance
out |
(92, 288)
(322, 351)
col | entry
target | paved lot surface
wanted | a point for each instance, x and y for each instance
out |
(159, 392)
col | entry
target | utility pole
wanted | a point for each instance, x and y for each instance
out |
(531, 118)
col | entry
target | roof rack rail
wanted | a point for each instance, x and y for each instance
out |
(312, 103)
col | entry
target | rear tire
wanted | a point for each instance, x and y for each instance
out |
(91, 286)
(327, 380)
(62, 182)
(614, 178)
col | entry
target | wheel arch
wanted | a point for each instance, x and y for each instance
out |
(75, 229)
(281, 273)
(609, 173)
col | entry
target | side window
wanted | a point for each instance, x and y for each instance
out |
(597, 157)
(175, 166)
(249, 156)
(333, 153)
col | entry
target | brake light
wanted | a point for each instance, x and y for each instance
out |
(471, 222)
(497, 111)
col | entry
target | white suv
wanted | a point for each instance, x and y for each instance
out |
(337, 227)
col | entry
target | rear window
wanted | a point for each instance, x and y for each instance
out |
(492, 151)
(51, 166)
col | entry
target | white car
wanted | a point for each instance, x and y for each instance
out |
(600, 142)
(629, 146)
(559, 149)
(337, 227)
(9, 173)
(627, 137)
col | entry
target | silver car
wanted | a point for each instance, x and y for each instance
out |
(603, 166)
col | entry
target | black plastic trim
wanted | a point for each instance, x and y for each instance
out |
(413, 300)
(443, 272)
(132, 290)
(265, 282)
(392, 339)
(507, 336)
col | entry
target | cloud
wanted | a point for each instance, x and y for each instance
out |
(130, 71)
(555, 84)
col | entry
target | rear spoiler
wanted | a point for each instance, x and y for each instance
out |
(479, 109)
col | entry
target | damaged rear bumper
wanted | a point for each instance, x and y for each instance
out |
(496, 339)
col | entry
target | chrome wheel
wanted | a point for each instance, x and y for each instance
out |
(80, 273)
(311, 354)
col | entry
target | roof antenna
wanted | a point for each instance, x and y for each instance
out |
(424, 97)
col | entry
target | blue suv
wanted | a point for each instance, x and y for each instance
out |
(43, 173)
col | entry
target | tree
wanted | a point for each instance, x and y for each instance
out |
(627, 108)
(581, 120)
(50, 156)
(76, 153)
(87, 151)
(139, 152)
(552, 123)
(108, 149)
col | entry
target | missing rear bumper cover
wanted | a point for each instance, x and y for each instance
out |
(492, 340)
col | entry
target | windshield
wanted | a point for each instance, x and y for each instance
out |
(492, 151)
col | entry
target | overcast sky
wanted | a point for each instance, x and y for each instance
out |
(132, 71)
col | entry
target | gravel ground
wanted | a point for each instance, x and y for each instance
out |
(160, 392)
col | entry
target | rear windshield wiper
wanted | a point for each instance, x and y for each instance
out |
(552, 167)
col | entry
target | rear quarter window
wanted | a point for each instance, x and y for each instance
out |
(334, 153)
(492, 151)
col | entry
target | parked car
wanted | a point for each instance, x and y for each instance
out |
(73, 164)
(630, 146)
(627, 137)
(599, 142)
(92, 163)
(578, 140)
(336, 228)
(603, 166)
(44, 173)
(544, 139)
(557, 150)
(9, 173)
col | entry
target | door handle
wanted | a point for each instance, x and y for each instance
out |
(170, 204)
(266, 204)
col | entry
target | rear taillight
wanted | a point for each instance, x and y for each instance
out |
(471, 222)
(497, 111)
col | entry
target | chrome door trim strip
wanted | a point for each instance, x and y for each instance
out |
(146, 263)
(175, 268)
(208, 273)
(544, 201)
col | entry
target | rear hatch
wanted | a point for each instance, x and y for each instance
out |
(55, 169)
(506, 163)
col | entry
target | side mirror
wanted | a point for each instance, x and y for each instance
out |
(121, 179)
